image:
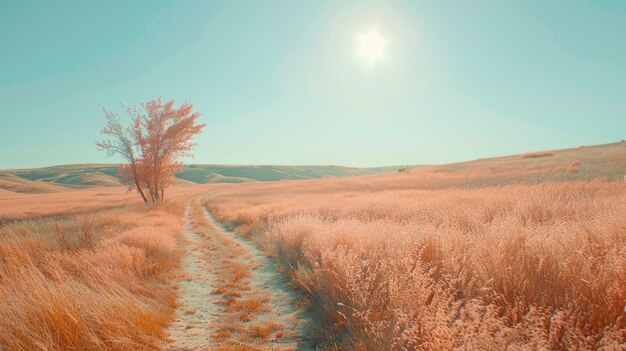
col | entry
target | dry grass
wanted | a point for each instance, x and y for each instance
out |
(416, 261)
(537, 154)
(90, 281)
(574, 167)
(264, 331)
(510, 253)
(18, 205)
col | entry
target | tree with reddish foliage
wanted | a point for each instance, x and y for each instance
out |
(152, 145)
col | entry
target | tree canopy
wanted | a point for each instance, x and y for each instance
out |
(158, 136)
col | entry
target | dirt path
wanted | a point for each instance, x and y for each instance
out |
(196, 309)
(233, 297)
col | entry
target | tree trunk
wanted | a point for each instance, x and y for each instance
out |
(139, 190)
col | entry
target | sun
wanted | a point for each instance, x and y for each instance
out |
(371, 46)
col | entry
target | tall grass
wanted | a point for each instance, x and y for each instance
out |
(537, 154)
(97, 281)
(391, 266)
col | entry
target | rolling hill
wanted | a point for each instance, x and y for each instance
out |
(59, 178)
(585, 162)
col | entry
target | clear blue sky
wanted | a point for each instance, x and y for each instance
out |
(280, 82)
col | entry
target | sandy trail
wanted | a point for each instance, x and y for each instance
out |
(196, 309)
(233, 297)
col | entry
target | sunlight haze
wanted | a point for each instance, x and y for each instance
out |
(371, 46)
(356, 83)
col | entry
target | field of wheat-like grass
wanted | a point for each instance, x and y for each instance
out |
(98, 280)
(420, 262)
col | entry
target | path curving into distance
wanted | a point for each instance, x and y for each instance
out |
(232, 297)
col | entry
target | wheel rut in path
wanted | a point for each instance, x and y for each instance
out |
(233, 297)
(191, 328)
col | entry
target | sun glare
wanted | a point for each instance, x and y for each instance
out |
(371, 46)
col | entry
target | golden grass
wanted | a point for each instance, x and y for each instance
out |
(221, 335)
(90, 281)
(473, 255)
(537, 154)
(418, 261)
(18, 205)
(264, 331)
(574, 167)
(12, 182)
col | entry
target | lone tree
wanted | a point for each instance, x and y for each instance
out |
(152, 145)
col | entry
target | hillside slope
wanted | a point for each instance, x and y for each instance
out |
(585, 162)
(58, 178)
(12, 182)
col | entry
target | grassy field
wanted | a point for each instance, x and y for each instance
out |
(513, 253)
(89, 281)
(522, 252)
(88, 269)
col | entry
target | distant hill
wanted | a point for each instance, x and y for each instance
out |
(585, 162)
(59, 178)
(580, 163)
(12, 182)
(238, 174)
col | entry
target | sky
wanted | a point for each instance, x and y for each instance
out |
(288, 82)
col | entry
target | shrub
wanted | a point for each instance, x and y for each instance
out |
(537, 154)
(574, 167)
